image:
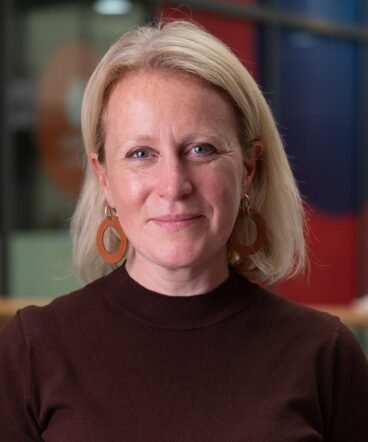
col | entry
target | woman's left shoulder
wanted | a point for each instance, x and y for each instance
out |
(296, 321)
(284, 308)
(276, 306)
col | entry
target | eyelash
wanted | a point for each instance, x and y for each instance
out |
(209, 148)
(136, 152)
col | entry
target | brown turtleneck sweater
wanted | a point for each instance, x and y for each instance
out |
(117, 362)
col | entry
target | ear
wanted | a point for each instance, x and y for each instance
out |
(250, 163)
(100, 170)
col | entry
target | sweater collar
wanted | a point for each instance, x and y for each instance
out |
(180, 312)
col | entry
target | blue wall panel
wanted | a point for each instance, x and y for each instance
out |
(339, 10)
(318, 117)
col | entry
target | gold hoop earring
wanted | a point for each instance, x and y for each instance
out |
(247, 211)
(111, 220)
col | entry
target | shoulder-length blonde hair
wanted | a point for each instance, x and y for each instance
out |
(181, 46)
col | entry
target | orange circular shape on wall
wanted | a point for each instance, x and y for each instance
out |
(58, 114)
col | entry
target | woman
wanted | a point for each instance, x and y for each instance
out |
(188, 184)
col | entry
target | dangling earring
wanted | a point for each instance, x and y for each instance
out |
(247, 211)
(111, 220)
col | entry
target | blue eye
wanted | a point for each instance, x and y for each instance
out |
(140, 153)
(202, 149)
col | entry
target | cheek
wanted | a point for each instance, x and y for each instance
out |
(127, 190)
(225, 188)
(230, 202)
(229, 181)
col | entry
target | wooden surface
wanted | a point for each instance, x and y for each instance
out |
(352, 316)
(8, 307)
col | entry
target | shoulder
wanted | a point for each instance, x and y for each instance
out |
(286, 310)
(288, 323)
(305, 336)
(275, 308)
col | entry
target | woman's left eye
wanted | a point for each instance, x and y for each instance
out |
(203, 149)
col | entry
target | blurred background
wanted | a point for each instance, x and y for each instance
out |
(310, 58)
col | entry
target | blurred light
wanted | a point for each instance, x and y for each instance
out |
(112, 7)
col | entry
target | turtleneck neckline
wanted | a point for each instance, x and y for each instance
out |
(180, 312)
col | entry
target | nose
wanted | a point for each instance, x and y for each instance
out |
(174, 181)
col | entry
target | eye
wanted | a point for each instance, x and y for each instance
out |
(203, 149)
(139, 154)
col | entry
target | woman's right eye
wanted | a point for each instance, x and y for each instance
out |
(139, 154)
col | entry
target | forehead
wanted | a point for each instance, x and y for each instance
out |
(158, 80)
(170, 93)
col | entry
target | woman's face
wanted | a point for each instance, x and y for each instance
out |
(173, 168)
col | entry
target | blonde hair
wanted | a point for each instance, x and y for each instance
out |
(181, 46)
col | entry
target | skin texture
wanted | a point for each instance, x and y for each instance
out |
(175, 172)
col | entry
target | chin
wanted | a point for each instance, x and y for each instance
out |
(178, 260)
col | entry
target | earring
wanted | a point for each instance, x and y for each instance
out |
(247, 211)
(111, 220)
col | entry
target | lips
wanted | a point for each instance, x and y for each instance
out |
(176, 221)
(176, 217)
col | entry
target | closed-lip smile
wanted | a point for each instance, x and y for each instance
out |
(176, 217)
(176, 221)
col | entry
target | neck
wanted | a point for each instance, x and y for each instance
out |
(183, 281)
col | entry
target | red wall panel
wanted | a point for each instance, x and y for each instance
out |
(239, 35)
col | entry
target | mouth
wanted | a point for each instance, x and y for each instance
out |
(176, 221)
